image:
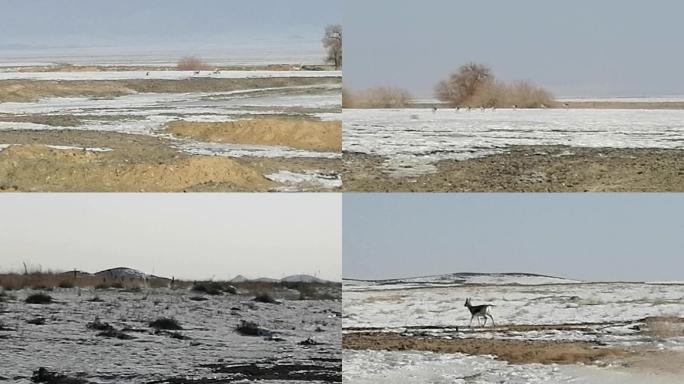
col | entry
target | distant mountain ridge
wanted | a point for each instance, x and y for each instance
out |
(473, 278)
(130, 273)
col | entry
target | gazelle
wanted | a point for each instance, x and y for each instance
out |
(479, 311)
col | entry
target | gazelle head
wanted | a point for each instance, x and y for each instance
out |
(467, 303)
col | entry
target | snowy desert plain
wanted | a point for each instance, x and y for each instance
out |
(137, 328)
(137, 127)
(547, 330)
(555, 149)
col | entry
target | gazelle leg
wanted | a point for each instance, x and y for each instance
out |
(485, 323)
(478, 321)
(492, 317)
(471, 322)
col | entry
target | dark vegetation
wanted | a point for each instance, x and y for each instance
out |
(265, 298)
(42, 375)
(166, 323)
(250, 328)
(39, 298)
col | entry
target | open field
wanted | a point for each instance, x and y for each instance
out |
(247, 130)
(268, 332)
(513, 150)
(546, 330)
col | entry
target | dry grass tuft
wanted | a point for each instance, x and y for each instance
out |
(377, 97)
(192, 63)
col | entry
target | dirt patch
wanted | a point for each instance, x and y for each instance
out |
(294, 133)
(513, 351)
(40, 168)
(624, 104)
(128, 150)
(531, 169)
(33, 90)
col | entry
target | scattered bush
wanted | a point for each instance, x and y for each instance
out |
(98, 325)
(42, 375)
(192, 63)
(39, 298)
(250, 328)
(474, 85)
(65, 284)
(265, 298)
(166, 323)
(198, 298)
(309, 342)
(378, 97)
(208, 287)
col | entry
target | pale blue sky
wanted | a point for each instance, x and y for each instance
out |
(128, 26)
(606, 237)
(191, 236)
(574, 48)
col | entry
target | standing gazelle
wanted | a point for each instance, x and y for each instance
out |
(479, 311)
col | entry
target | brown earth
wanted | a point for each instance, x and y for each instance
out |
(623, 104)
(20, 171)
(39, 168)
(513, 351)
(530, 169)
(33, 90)
(294, 133)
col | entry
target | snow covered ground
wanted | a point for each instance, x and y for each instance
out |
(606, 312)
(414, 139)
(161, 75)
(361, 367)
(147, 113)
(527, 307)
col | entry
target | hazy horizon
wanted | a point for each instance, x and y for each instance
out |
(590, 237)
(187, 236)
(85, 31)
(574, 49)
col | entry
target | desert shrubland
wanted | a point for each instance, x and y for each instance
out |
(474, 85)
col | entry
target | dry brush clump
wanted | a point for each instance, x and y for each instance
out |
(39, 298)
(50, 280)
(192, 63)
(474, 85)
(377, 97)
(663, 327)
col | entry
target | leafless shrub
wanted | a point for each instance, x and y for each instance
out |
(474, 85)
(192, 63)
(332, 42)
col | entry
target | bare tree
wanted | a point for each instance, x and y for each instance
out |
(332, 41)
(463, 84)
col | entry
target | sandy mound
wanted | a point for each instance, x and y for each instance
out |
(294, 133)
(21, 166)
(513, 351)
